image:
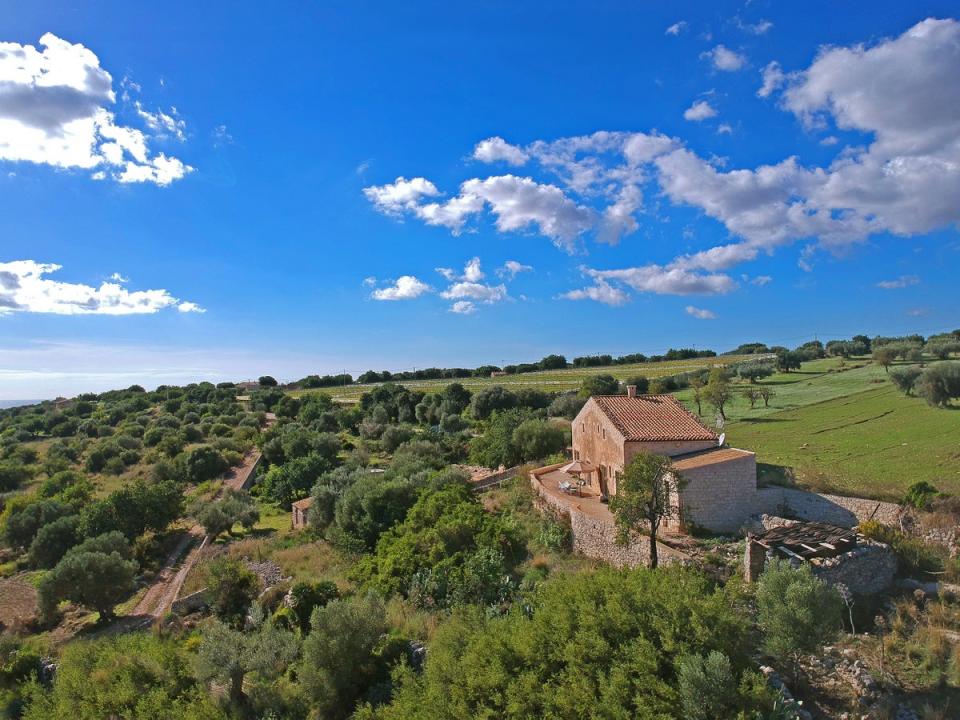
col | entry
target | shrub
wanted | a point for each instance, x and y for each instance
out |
(95, 580)
(566, 405)
(204, 463)
(536, 439)
(306, 597)
(394, 436)
(599, 385)
(920, 494)
(707, 687)
(53, 540)
(231, 587)
(797, 611)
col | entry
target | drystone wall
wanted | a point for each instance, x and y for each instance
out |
(867, 569)
(595, 537)
(820, 507)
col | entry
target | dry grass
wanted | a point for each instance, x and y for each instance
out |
(18, 603)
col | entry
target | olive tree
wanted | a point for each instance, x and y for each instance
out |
(644, 498)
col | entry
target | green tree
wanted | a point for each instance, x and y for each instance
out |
(95, 580)
(788, 360)
(708, 689)
(231, 587)
(696, 385)
(137, 676)
(641, 383)
(884, 356)
(53, 540)
(717, 391)
(306, 596)
(537, 439)
(204, 463)
(267, 381)
(599, 385)
(338, 655)
(797, 612)
(12, 475)
(292, 481)
(228, 656)
(371, 506)
(940, 383)
(905, 378)
(490, 399)
(645, 498)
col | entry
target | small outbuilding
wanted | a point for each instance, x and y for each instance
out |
(299, 513)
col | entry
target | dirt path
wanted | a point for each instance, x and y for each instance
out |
(159, 598)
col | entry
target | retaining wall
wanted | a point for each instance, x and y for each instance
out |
(820, 507)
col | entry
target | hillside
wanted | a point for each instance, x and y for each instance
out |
(842, 426)
(546, 380)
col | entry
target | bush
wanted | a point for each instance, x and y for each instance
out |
(12, 475)
(640, 382)
(707, 686)
(566, 406)
(306, 597)
(797, 612)
(920, 494)
(231, 587)
(394, 436)
(537, 439)
(284, 484)
(599, 385)
(371, 506)
(53, 541)
(204, 463)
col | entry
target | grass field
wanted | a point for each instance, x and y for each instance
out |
(845, 428)
(548, 380)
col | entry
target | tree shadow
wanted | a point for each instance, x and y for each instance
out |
(770, 474)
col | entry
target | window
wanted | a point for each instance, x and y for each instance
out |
(576, 454)
(603, 433)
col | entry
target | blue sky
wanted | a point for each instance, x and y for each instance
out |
(269, 172)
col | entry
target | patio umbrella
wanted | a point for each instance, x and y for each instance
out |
(578, 467)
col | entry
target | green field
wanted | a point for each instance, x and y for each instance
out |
(846, 429)
(548, 380)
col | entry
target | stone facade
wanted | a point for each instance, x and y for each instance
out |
(868, 569)
(299, 513)
(718, 495)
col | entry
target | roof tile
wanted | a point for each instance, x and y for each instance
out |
(652, 418)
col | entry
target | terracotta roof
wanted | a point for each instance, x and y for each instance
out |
(303, 504)
(652, 418)
(709, 457)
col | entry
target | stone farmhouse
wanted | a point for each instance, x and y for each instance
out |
(610, 430)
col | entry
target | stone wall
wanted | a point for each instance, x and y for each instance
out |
(717, 496)
(190, 603)
(867, 569)
(819, 507)
(596, 537)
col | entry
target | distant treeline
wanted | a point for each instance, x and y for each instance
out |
(550, 362)
(787, 359)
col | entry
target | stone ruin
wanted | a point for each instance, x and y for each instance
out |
(837, 555)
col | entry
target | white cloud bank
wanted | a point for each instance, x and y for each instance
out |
(700, 110)
(900, 176)
(24, 288)
(900, 283)
(54, 111)
(405, 287)
(724, 59)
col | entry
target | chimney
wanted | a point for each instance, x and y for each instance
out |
(631, 391)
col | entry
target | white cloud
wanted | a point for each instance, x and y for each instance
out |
(773, 78)
(725, 59)
(163, 124)
(900, 283)
(463, 307)
(475, 291)
(601, 291)
(667, 280)
(761, 280)
(700, 313)
(472, 271)
(370, 281)
(512, 268)
(406, 287)
(724, 129)
(497, 149)
(400, 195)
(761, 27)
(117, 277)
(901, 177)
(24, 287)
(700, 110)
(676, 28)
(53, 111)
(190, 307)
(448, 273)
(830, 140)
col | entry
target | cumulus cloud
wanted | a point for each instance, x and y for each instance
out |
(400, 195)
(773, 78)
(512, 268)
(700, 313)
(475, 291)
(902, 175)
(700, 110)
(24, 287)
(761, 27)
(900, 283)
(472, 271)
(761, 280)
(163, 124)
(724, 59)
(601, 291)
(497, 149)
(54, 111)
(463, 307)
(406, 287)
(676, 28)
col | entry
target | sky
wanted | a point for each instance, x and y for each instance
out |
(210, 191)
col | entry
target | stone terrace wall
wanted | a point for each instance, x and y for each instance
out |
(831, 509)
(596, 538)
(867, 569)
